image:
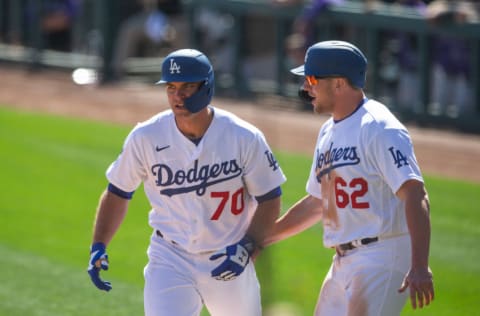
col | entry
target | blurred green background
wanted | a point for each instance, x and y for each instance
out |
(52, 172)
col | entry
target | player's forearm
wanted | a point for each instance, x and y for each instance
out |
(303, 215)
(418, 220)
(110, 214)
(264, 219)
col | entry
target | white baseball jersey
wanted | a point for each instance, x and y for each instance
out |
(359, 164)
(202, 196)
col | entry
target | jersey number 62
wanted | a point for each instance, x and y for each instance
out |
(342, 198)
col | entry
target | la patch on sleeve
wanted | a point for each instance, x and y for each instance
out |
(399, 159)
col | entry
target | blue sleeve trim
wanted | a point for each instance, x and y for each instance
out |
(119, 192)
(270, 195)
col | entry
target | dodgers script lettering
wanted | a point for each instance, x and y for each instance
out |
(198, 177)
(334, 158)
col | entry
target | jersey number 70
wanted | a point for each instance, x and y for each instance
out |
(236, 204)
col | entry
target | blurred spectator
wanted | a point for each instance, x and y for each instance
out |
(451, 91)
(303, 30)
(408, 96)
(144, 30)
(56, 22)
(303, 33)
(213, 31)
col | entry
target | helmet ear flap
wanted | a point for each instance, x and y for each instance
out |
(202, 97)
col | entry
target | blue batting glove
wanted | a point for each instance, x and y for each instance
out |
(98, 260)
(237, 258)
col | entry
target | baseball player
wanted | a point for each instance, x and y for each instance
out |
(366, 187)
(214, 187)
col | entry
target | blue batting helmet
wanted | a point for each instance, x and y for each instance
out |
(334, 58)
(190, 65)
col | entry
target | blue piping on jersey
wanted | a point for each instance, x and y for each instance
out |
(270, 195)
(120, 192)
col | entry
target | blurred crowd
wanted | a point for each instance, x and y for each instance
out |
(450, 83)
(153, 27)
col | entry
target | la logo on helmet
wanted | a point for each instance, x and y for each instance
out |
(174, 67)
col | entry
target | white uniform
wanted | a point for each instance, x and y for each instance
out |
(202, 199)
(359, 164)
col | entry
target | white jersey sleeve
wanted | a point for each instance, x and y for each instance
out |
(259, 158)
(130, 162)
(392, 153)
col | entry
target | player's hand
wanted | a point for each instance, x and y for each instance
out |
(237, 258)
(420, 283)
(98, 261)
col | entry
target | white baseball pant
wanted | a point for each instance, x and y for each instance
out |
(364, 281)
(180, 283)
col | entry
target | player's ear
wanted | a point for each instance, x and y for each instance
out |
(341, 83)
(338, 83)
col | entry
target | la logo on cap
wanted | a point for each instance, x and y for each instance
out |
(174, 67)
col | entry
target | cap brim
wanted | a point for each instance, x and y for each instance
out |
(160, 82)
(299, 71)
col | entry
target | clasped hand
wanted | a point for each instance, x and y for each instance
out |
(237, 257)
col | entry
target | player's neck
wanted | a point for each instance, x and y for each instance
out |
(346, 105)
(195, 126)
